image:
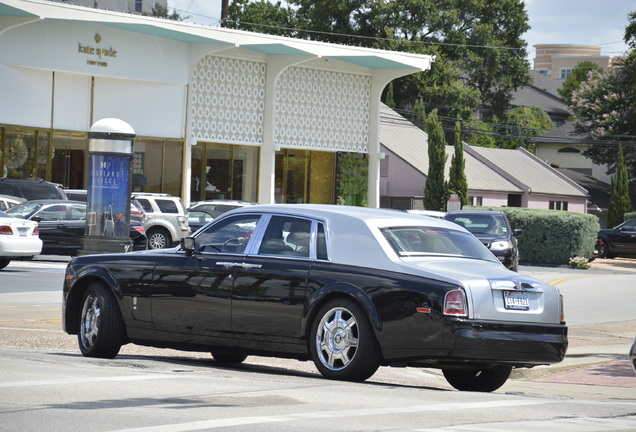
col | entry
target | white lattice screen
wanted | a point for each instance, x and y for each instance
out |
(314, 109)
(227, 100)
(322, 110)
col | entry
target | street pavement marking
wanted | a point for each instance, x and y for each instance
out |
(561, 280)
(581, 424)
(82, 380)
(242, 421)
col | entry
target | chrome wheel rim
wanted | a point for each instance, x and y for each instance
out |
(89, 324)
(157, 241)
(337, 339)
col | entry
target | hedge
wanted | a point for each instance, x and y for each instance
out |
(551, 236)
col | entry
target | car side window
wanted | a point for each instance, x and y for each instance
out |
(78, 213)
(286, 236)
(231, 235)
(630, 225)
(167, 206)
(145, 204)
(53, 213)
(321, 243)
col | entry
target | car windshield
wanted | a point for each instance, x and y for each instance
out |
(419, 241)
(480, 224)
(4, 215)
(24, 210)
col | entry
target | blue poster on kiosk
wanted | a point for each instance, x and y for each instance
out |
(108, 196)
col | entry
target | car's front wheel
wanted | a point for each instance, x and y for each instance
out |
(101, 327)
(4, 262)
(603, 250)
(342, 342)
(158, 238)
(478, 380)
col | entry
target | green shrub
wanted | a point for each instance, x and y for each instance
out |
(551, 236)
(629, 215)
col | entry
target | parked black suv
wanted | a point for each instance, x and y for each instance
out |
(493, 229)
(31, 189)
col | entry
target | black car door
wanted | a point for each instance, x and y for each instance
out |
(192, 294)
(270, 285)
(624, 238)
(51, 221)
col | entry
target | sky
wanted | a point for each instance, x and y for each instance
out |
(594, 22)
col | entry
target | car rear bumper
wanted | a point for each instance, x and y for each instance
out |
(518, 344)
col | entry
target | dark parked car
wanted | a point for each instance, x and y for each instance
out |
(62, 225)
(350, 288)
(136, 212)
(493, 229)
(31, 189)
(618, 240)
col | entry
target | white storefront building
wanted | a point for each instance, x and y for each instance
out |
(218, 113)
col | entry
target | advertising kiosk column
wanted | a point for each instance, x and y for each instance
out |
(110, 151)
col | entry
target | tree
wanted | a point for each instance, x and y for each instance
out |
(620, 202)
(473, 41)
(262, 17)
(604, 109)
(435, 188)
(457, 183)
(577, 76)
(389, 101)
(159, 11)
(521, 124)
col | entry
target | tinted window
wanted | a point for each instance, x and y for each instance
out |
(321, 244)
(229, 235)
(481, 224)
(53, 213)
(145, 204)
(287, 236)
(6, 189)
(415, 241)
(167, 206)
(78, 212)
(34, 191)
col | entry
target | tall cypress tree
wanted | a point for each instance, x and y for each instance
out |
(435, 188)
(620, 202)
(390, 101)
(457, 183)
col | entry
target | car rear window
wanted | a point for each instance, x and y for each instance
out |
(418, 241)
(168, 206)
(40, 191)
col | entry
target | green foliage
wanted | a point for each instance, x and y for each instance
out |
(521, 124)
(620, 202)
(435, 189)
(158, 11)
(552, 237)
(473, 40)
(577, 76)
(457, 183)
(389, 101)
(353, 177)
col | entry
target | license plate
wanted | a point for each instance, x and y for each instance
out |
(23, 232)
(517, 300)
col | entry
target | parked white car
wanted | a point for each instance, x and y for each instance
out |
(166, 220)
(19, 238)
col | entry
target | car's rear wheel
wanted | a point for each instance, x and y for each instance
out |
(158, 238)
(101, 327)
(4, 262)
(229, 358)
(478, 380)
(342, 342)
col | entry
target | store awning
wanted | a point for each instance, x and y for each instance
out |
(26, 11)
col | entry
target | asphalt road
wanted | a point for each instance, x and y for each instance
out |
(45, 384)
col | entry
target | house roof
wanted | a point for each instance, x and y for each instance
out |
(529, 171)
(20, 12)
(410, 143)
(542, 93)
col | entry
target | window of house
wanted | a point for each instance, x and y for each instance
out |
(559, 205)
(565, 73)
(569, 150)
(475, 200)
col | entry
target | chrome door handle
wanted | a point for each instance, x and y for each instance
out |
(236, 264)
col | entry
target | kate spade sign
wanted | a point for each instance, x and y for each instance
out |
(99, 55)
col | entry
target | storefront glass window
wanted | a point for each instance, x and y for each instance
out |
(19, 149)
(304, 177)
(67, 164)
(221, 171)
(172, 168)
(157, 166)
(43, 155)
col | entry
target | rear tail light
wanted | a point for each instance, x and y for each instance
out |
(36, 231)
(5, 230)
(183, 222)
(562, 310)
(140, 229)
(455, 303)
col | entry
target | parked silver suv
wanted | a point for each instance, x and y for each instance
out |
(166, 220)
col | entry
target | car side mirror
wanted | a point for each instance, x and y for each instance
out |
(187, 244)
(518, 232)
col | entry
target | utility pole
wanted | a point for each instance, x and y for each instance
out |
(224, 12)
